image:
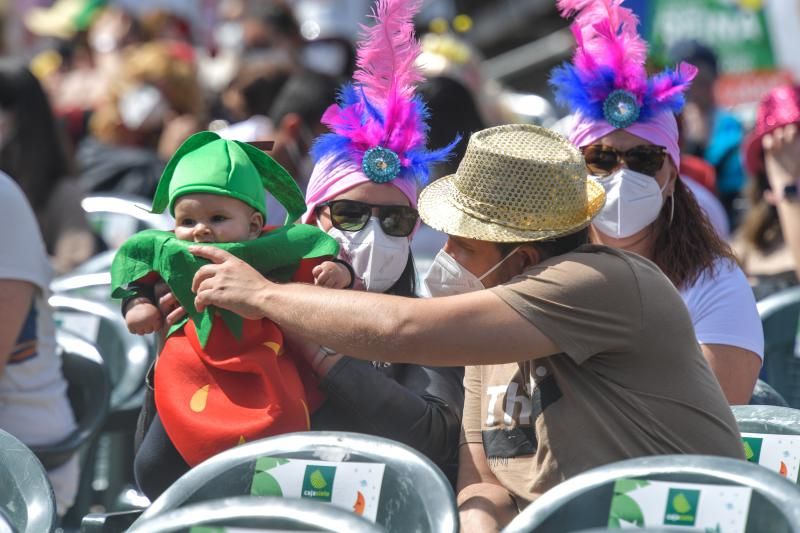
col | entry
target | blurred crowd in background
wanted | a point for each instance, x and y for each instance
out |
(97, 94)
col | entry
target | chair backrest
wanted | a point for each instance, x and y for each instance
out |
(767, 419)
(779, 317)
(413, 496)
(127, 356)
(584, 501)
(771, 436)
(764, 394)
(26, 497)
(115, 218)
(89, 390)
(264, 513)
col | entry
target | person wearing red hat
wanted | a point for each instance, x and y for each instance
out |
(768, 243)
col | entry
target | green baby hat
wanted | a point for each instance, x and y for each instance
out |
(207, 163)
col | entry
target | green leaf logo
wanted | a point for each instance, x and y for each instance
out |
(318, 480)
(681, 504)
(748, 451)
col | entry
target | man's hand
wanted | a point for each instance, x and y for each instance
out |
(228, 283)
(168, 304)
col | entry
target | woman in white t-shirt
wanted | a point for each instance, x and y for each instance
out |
(624, 123)
(33, 393)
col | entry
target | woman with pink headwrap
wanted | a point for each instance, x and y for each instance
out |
(624, 123)
(363, 193)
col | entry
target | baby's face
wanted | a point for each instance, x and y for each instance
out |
(213, 218)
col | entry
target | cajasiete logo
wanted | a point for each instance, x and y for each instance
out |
(752, 448)
(681, 507)
(318, 482)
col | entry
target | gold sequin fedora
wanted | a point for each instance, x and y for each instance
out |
(516, 183)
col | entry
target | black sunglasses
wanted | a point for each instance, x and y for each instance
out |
(350, 215)
(603, 160)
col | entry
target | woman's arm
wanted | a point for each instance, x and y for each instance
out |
(15, 304)
(736, 370)
(782, 162)
(421, 408)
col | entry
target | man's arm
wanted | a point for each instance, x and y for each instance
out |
(483, 504)
(470, 329)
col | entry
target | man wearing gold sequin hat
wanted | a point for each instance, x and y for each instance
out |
(574, 349)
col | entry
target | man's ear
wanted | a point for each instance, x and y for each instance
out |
(530, 255)
(256, 223)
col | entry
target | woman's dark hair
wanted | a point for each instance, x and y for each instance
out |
(406, 284)
(761, 227)
(453, 111)
(687, 245)
(552, 248)
(34, 154)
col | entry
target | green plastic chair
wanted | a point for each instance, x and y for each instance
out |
(262, 513)
(26, 497)
(415, 495)
(583, 502)
(779, 317)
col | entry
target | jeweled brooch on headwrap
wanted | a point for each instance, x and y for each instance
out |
(381, 165)
(607, 79)
(379, 122)
(621, 109)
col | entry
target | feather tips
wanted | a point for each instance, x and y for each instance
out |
(381, 108)
(611, 55)
(388, 51)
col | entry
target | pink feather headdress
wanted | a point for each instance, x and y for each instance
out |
(379, 123)
(607, 79)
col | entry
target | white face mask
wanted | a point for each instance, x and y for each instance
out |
(376, 258)
(633, 201)
(447, 277)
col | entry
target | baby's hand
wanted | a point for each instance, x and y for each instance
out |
(332, 275)
(143, 317)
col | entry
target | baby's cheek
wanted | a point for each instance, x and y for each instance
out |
(183, 234)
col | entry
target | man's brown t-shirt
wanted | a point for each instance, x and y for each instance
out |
(631, 380)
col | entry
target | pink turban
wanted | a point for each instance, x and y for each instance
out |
(331, 178)
(661, 130)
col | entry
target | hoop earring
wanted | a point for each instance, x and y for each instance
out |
(672, 209)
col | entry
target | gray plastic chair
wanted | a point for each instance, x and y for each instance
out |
(415, 496)
(779, 317)
(115, 218)
(26, 497)
(128, 358)
(264, 513)
(89, 390)
(583, 502)
(764, 394)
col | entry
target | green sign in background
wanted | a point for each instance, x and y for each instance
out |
(736, 29)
